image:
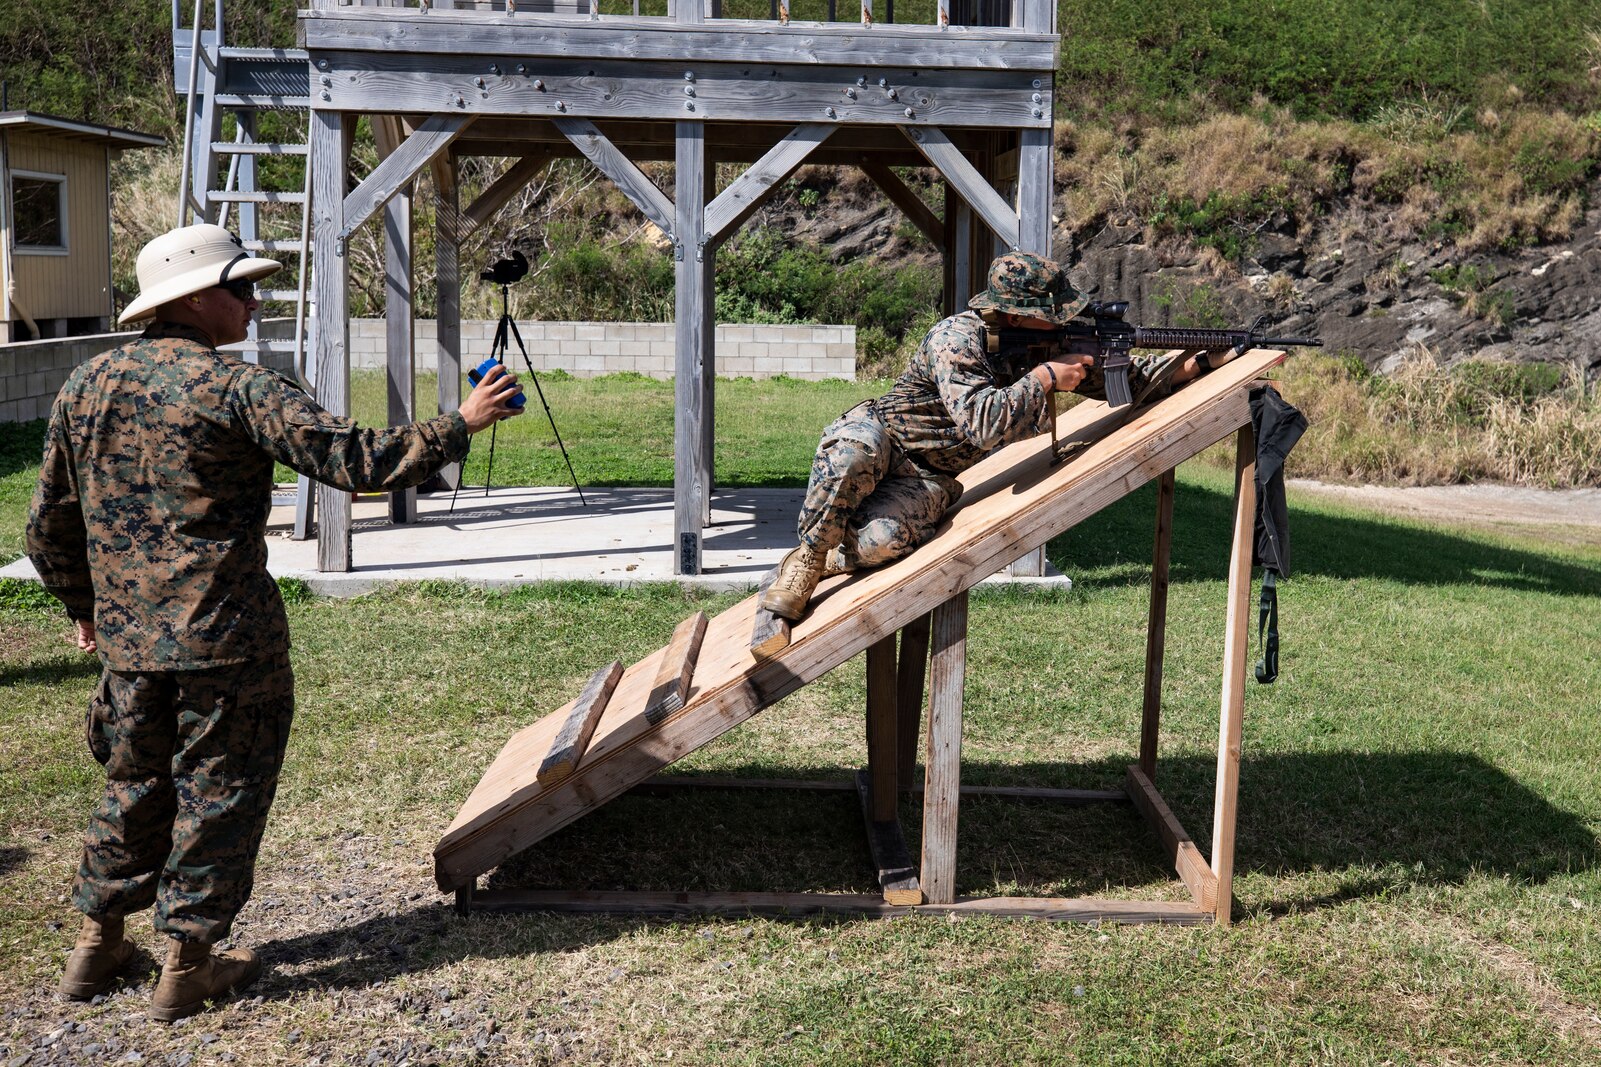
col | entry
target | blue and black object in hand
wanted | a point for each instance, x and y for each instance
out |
(478, 373)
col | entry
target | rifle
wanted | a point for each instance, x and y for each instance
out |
(1100, 332)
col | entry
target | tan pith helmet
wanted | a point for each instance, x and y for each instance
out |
(1024, 283)
(187, 260)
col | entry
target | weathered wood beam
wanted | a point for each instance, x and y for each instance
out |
(692, 283)
(677, 669)
(397, 171)
(793, 905)
(568, 746)
(943, 761)
(330, 140)
(509, 184)
(387, 134)
(447, 282)
(620, 169)
(886, 842)
(1186, 859)
(912, 206)
(727, 41)
(968, 182)
(400, 332)
(1156, 626)
(1236, 638)
(370, 82)
(746, 193)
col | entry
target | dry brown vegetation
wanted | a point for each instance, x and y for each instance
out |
(1503, 181)
(1428, 424)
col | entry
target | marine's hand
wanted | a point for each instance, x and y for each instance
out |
(490, 400)
(1063, 375)
(86, 635)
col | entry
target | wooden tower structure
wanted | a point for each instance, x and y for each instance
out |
(970, 94)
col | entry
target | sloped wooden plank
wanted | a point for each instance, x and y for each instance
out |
(1013, 501)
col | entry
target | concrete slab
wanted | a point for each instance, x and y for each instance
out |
(518, 536)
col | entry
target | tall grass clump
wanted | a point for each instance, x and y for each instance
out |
(1428, 423)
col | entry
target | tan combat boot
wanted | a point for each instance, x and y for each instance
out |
(194, 975)
(100, 953)
(798, 574)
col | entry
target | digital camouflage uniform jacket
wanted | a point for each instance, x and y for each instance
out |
(951, 408)
(150, 515)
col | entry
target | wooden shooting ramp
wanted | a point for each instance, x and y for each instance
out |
(1014, 502)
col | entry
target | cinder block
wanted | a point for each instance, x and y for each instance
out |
(8, 411)
(589, 331)
(766, 366)
(605, 347)
(664, 350)
(634, 348)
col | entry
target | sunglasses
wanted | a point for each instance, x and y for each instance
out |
(242, 290)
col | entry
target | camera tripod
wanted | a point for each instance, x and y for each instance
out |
(498, 351)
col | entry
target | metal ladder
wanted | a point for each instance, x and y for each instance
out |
(217, 80)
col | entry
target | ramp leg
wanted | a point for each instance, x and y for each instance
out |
(882, 750)
(911, 670)
(1234, 655)
(943, 763)
(1156, 634)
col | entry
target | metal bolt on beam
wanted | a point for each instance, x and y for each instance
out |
(689, 75)
(539, 85)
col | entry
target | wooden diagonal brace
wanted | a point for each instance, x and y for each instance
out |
(508, 185)
(745, 194)
(918, 213)
(397, 171)
(588, 139)
(973, 187)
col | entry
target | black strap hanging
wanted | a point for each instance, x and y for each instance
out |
(1267, 629)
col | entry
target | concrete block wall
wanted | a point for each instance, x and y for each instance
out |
(32, 372)
(588, 349)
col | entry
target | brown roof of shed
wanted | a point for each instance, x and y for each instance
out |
(73, 129)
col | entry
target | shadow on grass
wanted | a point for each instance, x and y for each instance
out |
(1373, 823)
(12, 857)
(1120, 537)
(50, 672)
(21, 445)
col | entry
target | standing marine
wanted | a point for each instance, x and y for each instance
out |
(149, 525)
(885, 471)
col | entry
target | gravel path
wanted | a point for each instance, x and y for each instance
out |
(1491, 506)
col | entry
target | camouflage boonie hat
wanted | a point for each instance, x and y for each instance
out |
(1022, 283)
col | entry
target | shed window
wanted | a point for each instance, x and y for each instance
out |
(39, 209)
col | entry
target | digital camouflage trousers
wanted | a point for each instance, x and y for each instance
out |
(866, 502)
(192, 761)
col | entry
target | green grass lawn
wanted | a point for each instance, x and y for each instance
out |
(1418, 877)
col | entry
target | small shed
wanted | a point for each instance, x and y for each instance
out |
(55, 224)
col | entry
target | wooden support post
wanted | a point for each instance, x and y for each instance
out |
(1156, 629)
(330, 152)
(1235, 640)
(447, 281)
(677, 670)
(943, 762)
(959, 286)
(573, 738)
(882, 714)
(692, 303)
(911, 670)
(707, 460)
(1034, 176)
(399, 333)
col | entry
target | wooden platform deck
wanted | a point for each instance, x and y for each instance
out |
(1013, 502)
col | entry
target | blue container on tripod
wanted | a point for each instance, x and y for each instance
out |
(478, 373)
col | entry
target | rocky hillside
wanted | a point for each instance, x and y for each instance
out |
(1344, 280)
